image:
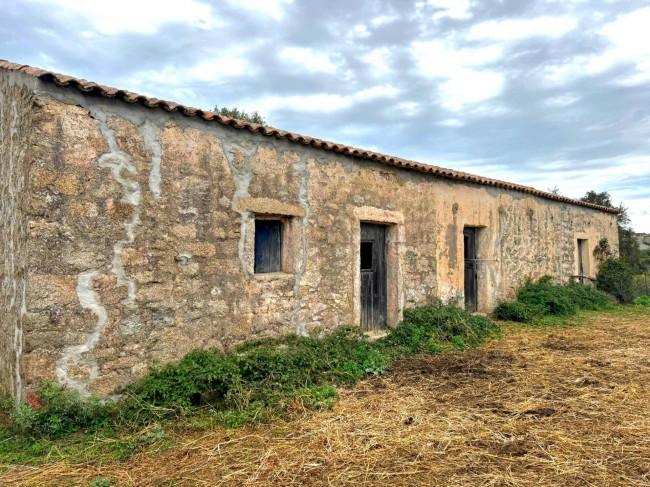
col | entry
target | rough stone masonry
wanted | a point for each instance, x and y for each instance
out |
(128, 232)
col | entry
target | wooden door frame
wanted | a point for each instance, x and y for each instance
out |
(473, 231)
(394, 222)
(376, 234)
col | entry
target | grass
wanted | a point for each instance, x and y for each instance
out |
(561, 405)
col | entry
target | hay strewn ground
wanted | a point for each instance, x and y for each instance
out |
(542, 406)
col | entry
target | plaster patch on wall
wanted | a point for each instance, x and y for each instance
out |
(242, 179)
(301, 170)
(73, 356)
(149, 133)
(118, 161)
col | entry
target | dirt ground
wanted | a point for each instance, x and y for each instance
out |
(541, 406)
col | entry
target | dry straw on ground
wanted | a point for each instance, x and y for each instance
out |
(561, 407)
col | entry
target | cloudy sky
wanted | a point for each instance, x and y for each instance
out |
(543, 93)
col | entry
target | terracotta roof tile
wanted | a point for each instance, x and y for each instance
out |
(129, 97)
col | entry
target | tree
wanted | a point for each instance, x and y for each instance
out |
(253, 117)
(628, 245)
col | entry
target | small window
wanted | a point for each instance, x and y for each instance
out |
(366, 256)
(268, 246)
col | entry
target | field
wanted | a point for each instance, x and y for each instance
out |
(561, 406)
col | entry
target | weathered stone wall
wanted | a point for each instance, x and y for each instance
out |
(15, 115)
(644, 240)
(141, 238)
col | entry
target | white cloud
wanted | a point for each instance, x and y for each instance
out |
(630, 38)
(462, 78)
(470, 86)
(439, 58)
(520, 28)
(383, 19)
(408, 108)
(323, 102)
(629, 42)
(561, 100)
(378, 60)
(360, 31)
(269, 8)
(145, 16)
(455, 9)
(220, 68)
(309, 60)
(451, 122)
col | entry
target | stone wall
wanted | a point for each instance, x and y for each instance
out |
(141, 238)
(15, 119)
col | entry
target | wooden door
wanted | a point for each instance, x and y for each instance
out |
(471, 277)
(581, 262)
(373, 276)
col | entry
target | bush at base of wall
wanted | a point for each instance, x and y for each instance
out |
(541, 298)
(254, 381)
(616, 277)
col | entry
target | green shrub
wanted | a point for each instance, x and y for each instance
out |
(587, 297)
(200, 377)
(549, 298)
(425, 328)
(58, 411)
(542, 298)
(254, 381)
(642, 301)
(641, 286)
(516, 311)
(258, 372)
(615, 277)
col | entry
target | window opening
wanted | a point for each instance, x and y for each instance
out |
(268, 246)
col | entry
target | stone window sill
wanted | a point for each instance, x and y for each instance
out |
(273, 276)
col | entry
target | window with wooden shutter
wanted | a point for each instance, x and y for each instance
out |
(268, 246)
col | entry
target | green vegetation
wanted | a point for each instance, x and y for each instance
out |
(642, 301)
(101, 482)
(516, 311)
(543, 298)
(254, 382)
(627, 243)
(253, 117)
(616, 277)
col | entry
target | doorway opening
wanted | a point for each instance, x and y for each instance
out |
(583, 260)
(374, 296)
(471, 274)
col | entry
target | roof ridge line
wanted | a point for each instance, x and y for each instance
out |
(150, 102)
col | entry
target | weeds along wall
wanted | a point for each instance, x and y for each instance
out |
(138, 236)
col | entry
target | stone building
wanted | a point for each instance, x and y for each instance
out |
(135, 230)
(644, 240)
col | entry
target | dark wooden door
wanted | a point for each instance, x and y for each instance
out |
(471, 277)
(581, 263)
(373, 276)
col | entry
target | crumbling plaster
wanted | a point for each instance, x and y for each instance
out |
(139, 233)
